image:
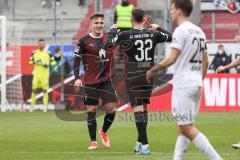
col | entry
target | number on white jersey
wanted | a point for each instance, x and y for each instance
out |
(200, 43)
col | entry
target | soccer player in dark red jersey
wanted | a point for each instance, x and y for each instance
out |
(139, 45)
(99, 69)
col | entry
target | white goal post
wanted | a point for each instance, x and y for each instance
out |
(3, 61)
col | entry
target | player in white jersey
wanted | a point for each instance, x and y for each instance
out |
(229, 66)
(189, 53)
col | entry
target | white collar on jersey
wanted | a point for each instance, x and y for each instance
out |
(95, 36)
(139, 29)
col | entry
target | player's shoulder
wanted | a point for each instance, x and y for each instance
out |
(183, 27)
(127, 32)
(48, 52)
(196, 29)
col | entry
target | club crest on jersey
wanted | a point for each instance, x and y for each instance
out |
(77, 48)
(102, 54)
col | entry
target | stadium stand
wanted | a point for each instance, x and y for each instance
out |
(218, 23)
(40, 21)
(227, 25)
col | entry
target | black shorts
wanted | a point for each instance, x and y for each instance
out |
(103, 90)
(139, 90)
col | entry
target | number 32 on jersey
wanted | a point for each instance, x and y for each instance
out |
(144, 47)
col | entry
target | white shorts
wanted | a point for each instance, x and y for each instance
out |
(185, 104)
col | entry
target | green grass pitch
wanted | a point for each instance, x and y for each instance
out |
(42, 136)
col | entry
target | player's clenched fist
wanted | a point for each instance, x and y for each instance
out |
(221, 69)
(150, 75)
(77, 85)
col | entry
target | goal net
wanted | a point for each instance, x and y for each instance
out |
(11, 77)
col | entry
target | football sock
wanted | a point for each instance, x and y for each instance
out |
(33, 99)
(202, 143)
(145, 114)
(139, 140)
(108, 119)
(45, 99)
(181, 147)
(141, 127)
(92, 125)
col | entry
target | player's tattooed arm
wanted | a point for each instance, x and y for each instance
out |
(161, 68)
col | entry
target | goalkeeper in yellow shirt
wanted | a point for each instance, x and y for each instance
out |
(42, 61)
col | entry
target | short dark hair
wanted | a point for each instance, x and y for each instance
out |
(138, 14)
(41, 40)
(186, 6)
(57, 50)
(96, 15)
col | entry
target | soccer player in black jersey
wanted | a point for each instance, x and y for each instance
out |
(99, 70)
(139, 45)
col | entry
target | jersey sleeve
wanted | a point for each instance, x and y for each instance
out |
(112, 39)
(178, 39)
(78, 52)
(79, 49)
(163, 35)
(205, 47)
(76, 67)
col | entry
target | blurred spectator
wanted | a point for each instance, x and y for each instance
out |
(58, 74)
(123, 14)
(220, 59)
(62, 69)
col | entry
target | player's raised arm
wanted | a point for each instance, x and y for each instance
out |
(167, 35)
(162, 35)
(112, 38)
